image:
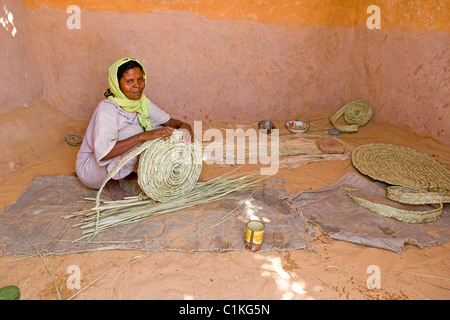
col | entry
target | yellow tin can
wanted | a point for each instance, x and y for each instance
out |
(254, 235)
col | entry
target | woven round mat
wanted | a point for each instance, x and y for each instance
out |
(402, 166)
(417, 178)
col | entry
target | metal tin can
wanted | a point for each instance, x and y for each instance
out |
(254, 235)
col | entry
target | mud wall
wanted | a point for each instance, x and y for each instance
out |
(20, 74)
(227, 60)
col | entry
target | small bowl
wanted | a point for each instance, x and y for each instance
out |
(266, 126)
(297, 126)
(74, 139)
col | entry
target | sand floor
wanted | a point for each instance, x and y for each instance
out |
(337, 270)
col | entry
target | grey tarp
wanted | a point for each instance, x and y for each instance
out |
(41, 209)
(340, 218)
(39, 214)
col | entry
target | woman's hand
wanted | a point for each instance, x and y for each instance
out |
(164, 133)
(125, 145)
(188, 133)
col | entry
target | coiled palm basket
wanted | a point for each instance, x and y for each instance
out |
(356, 114)
(167, 169)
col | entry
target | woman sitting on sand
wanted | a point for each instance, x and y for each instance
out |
(119, 124)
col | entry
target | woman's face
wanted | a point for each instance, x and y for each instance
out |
(132, 83)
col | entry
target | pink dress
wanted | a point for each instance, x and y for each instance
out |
(109, 124)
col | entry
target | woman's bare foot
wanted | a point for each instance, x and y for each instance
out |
(113, 190)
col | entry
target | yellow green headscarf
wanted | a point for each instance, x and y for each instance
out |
(139, 106)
